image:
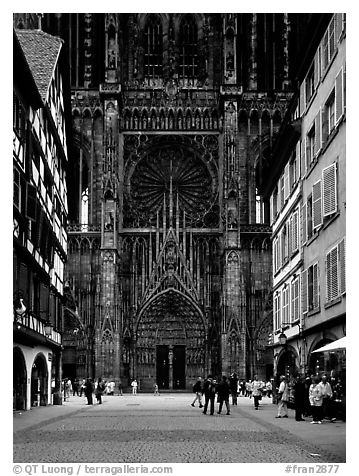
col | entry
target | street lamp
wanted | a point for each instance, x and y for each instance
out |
(48, 328)
(282, 339)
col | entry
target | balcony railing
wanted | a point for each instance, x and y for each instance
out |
(29, 321)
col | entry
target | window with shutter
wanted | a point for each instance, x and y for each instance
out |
(342, 266)
(317, 137)
(290, 244)
(325, 51)
(332, 274)
(339, 23)
(309, 217)
(304, 286)
(282, 191)
(304, 223)
(31, 202)
(317, 204)
(332, 43)
(286, 181)
(297, 162)
(295, 232)
(17, 189)
(316, 68)
(285, 305)
(339, 96)
(302, 100)
(315, 286)
(329, 180)
(310, 146)
(271, 214)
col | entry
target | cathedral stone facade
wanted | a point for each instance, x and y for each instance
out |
(169, 257)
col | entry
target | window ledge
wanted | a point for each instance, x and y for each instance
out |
(333, 302)
(330, 219)
(313, 311)
(313, 237)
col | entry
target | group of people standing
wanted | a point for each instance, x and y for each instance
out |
(224, 388)
(313, 396)
(88, 387)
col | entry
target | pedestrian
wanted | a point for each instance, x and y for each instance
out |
(243, 388)
(197, 389)
(327, 399)
(233, 385)
(100, 388)
(68, 388)
(89, 391)
(120, 388)
(134, 386)
(249, 389)
(269, 388)
(223, 390)
(155, 389)
(316, 400)
(283, 397)
(256, 388)
(307, 406)
(110, 386)
(209, 390)
(75, 388)
(82, 387)
(300, 395)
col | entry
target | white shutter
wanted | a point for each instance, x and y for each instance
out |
(316, 300)
(297, 161)
(316, 68)
(339, 96)
(338, 25)
(329, 175)
(342, 266)
(317, 204)
(295, 233)
(302, 98)
(271, 214)
(332, 275)
(318, 134)
(286, 181)
(304, 286)
(303, 223)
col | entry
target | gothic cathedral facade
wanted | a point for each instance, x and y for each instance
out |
(169, 256)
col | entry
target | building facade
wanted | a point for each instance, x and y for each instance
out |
(39, 217)
(308, 211)
(169, 257)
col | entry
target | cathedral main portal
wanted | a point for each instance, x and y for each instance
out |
(170, 342)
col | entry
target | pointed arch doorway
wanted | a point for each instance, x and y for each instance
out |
(170, 342)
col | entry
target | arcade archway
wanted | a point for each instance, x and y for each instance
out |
(19, 380)
(170, 342)
(39, 381)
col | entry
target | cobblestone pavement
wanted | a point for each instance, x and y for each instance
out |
(166, 429)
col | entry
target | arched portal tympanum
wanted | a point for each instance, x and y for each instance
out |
(170, 342)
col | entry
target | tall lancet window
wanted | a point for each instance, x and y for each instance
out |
(153, 47)
(188, 60)
(85, 209)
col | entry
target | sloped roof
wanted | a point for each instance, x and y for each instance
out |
(41, 51)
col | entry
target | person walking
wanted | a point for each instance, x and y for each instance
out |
(327, 392)
(269, 388)
(197, 389)
(299, 398)
(233, 385)
(223, 390)
(120, 388)
(316, 400)
(257, 386)
(89, 391)
(155, 389)
(99, 390)
(82, 387)
(283, 397)
(134, 386)
(209, 390)
(75, 387)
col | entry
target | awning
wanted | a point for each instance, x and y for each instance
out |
(338, 344)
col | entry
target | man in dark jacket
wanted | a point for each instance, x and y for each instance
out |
(223, 394)
(233, 384)
(209, 390)
(197, 389)
(300, 394)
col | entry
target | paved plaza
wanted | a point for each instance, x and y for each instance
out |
(165, 428)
